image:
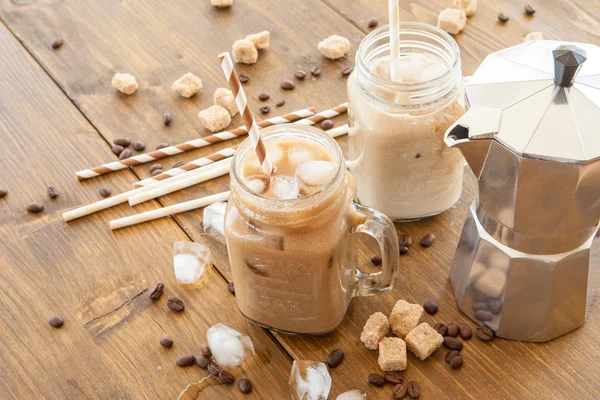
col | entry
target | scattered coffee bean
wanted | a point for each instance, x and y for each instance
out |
(479, 305)
(35, 208)
(393, 377)
(104, 191)
(117, 149)
(376, 260)
(428, 240)
(263, 96)
(244, 78)
(442, 329)
(287, 85)
(403, 250)
(483, 315)
(202, 361)
(300, 75)
(185, 360)
(451, 354)
(166, 341)
(156, 291)
(280, 103)
(316, 71)
(157, 172)
(175, 304)
(503, 17)
(484, 333)
(125, 154)
(399, 391)
(138, 146)
(156, 166)
(465, 331)
(376, 380)
(414, 390)
(3, 193)
(205, 350)
(529, 10)
(418, 155)
(52, 192)
(265, 109)
(326, 124)
(226, 377)
(56, 321)
(162, 146)
(213, 368)
(167, 118)
(231, 288)
(122, 142)
(431, 307)
(58, 42)
(373, 23)
(452, 343)
(452, 330)
(335, 358)
(405, 240)
(456, 362)
(347, 71)
(179, 164)
(245, 386)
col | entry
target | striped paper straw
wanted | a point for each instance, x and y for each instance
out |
(394, 11)
(230, 151)
(242, 105)
(191, 145)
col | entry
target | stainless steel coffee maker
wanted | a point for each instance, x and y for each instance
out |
(527, 263)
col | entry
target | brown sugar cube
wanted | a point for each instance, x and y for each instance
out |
(221, 3)
(260, 40)
(375, 329)
(468, 6)
(452, 20)
(405, 317)
(423, 340)
(392, 354)
(244, 52)
(334, 47)
(124, 83)
(214, 118)
(187, 86)
(224, 98)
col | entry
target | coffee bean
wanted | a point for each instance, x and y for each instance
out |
(167, 118)
(263, 96)
(287, 85)
(442, 329)
(156, 166)
(403, 250)
(399, 391)
(373, 23)
(122, 142)
(265, 109)
(452, 343)
(166, 341)
(300, 75)
(156, 291)
(452, 330)
(56, 321)
(503, 17)
(245, 386)
(347, 71)
(451, 354)
(491, 326)
(483, 315)
(213, 368)
(104, 191)
(456, 362)
(418, 155)
(157, 172)
(316, 71)
(376, 380)
(430, 307)
(326, 124)
(405, 240)
(202, 361)
(231, 288)
(205, 350)
(484, 333)
(280, 103)
(428, 240)
(226, 377)
(179, 164)
(185, 360)
(376, 260)
(162, 146)
(3, 193)
(138, 146)
(125, 154)
(57, 44)
(414, 390)
(479, 306)
(175, 304)
(495, 306)
(244, 78)
(117, 149)
(52, 192)
(465, 331)
(335, 358)
(529, 10)
(395, 378)
(35, 208)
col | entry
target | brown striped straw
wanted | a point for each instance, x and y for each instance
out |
(242, 105)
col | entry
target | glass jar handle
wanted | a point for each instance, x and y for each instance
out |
(381, 228)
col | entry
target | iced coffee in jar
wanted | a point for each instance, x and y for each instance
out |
(396, 144)
(289, 235)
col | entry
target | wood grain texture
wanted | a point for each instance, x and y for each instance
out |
(158, 41)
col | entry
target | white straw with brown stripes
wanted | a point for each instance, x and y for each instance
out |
(190, 145)
(242, 105)
(230, 151)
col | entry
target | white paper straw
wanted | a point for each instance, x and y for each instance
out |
(394, 11)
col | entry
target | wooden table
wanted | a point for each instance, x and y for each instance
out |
(58, 114)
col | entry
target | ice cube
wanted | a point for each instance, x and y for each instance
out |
(191, 263)
(299, 156)
(228, 346)
(285, 187)
(214, 217)
(316, 173)
(309, 380)
(258, 184)
(352, 395)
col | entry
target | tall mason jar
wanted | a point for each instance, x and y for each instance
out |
(396, 138)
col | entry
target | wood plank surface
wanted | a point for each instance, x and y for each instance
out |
(158, 41)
